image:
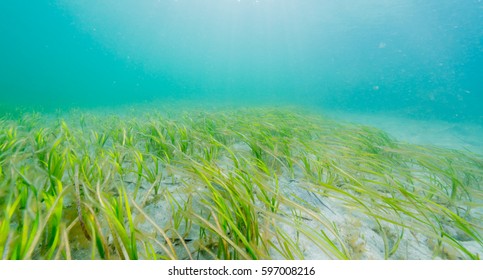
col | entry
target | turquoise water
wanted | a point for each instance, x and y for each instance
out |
(140, 150)
(420, 58)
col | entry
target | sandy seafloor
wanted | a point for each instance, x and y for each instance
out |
(450, 135)
(453, 135)
(359, 229)
(460, 136)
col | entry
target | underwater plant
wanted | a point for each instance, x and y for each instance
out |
(240, 183)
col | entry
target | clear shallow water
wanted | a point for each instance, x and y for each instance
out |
(419, 59)
(413, 68)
